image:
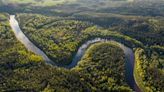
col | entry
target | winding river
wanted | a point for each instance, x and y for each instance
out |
(25, 41)
(129, 55)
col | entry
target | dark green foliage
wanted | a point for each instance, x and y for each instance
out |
(18, 73)
(103, 67)
(21, 70)
(149, 72)
(132, 26)
(59, 38)
(135, 24)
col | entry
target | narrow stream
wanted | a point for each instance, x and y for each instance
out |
(129, 55)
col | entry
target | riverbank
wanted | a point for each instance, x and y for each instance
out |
(26, 42)
(129, 55)
(104, 64)
(137, 77)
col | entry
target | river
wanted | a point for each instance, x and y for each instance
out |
(25, 41)
(129, 55)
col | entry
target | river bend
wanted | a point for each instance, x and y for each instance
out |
(129, 55)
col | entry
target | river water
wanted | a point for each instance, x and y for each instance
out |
(25, 41)
(129, 55)
(129, 59)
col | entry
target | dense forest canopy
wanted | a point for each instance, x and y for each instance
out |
(60, 27)
(103, 67)
(62, 37)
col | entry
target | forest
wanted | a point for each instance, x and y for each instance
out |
(62, 37)
(23, 71)
(149, 70)
(60, 28)
(103, 67)
(130, 25)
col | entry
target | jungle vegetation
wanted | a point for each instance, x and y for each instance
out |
(21, 70)
(59, 28)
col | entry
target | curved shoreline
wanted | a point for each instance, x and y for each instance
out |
(26, 42)
(129, 55)
(129, 59)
